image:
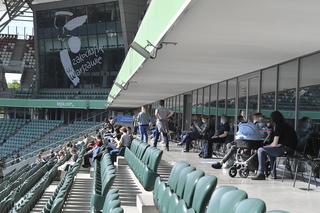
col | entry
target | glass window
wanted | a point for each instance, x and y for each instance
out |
(213, 100)
(242, 101)
(200, 101)
(287, 89)
(194, 101)
(206, 100)
(231, 97)
(222, 97)
(253, 95)
(309, 92)
(268, 88)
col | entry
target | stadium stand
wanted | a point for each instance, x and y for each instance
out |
(9, 127)
(30, 133)
(29, 60)
(7, 45)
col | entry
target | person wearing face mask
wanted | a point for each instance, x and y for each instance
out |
(219, 137)
(202, 130)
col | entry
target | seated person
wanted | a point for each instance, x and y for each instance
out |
(193, 134)
(284, 136)
(115, 147)
(88, 157)
(204, 131)
(219, 137)
(257, 119)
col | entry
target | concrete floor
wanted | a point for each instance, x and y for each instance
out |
(277, 195)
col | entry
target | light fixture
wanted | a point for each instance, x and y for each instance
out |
(139, 49)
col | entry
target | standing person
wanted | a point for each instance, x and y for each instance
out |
(284, 136)
(162, 114)
(135, 124)
(143, 122)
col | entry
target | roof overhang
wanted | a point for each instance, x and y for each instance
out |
(216, 40)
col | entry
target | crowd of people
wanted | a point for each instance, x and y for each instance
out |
(110, 138)
(270, 138)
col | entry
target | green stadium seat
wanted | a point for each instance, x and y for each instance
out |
(215, 200)
(173, 203)
(190, 185)
(251, 205)
(182, 180)
(117, 210)
(203, 192)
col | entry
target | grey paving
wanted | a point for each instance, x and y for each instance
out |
(276, 194)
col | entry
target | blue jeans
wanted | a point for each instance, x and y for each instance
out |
(272, 152)
(143, 129)
(156, 136)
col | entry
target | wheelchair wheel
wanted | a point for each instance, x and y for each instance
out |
(244, 172)
(233, 171)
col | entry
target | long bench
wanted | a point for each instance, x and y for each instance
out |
(188, 190)
(104, 176)
(143, 161)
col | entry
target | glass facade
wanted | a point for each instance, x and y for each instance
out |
(292, 87)
(80, 47)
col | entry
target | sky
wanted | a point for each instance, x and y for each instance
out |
(11, 77)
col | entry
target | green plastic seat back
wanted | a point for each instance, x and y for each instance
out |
(166, 196)
(203, 192)
(154, 160)
(190, 185)
(182, 180)
(230, 200)
(173, 203)
(175, 172)
(134, 145)
(109, 198)
(147, 155)
(161, 190)
(117, 210)
(141, 150)
(112, 205)
(107, 183)
(251, 205)
(57, 205)
(214, 202)
(181, 207)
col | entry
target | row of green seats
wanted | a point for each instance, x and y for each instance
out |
(104, 176)
(27, 203)
(56, 201)
(31, 180)
(143, 161)
(188, 190)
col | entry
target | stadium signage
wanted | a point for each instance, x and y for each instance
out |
(63, 104)
(80, 62)
(87, 60)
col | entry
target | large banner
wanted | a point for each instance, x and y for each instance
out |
(79, 61)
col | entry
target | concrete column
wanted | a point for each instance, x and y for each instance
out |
(187, 111)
